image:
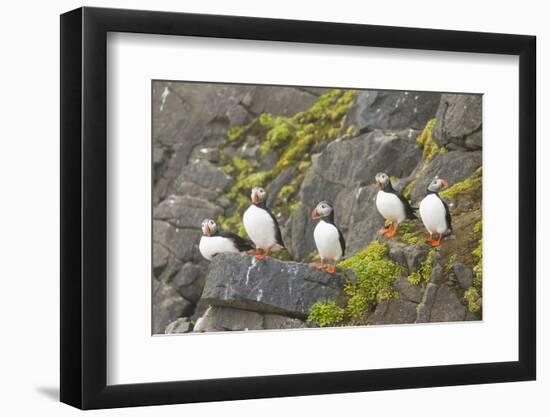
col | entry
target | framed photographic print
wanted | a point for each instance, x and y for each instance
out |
(258, 208)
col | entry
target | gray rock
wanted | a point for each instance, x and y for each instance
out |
(210, 154)
(459, 121)
(187, 188)
(472, 316)
(409, 256)
(275, 321)
(189, 281)
(454, 166)
(393, 109)
(269, 286)
(181, 325)
(279, 182)
(280, 100)
(223, 202)
(185, 211)
(223, 319)
(447, 306)
(438, 273)
(160, 258)
(425, 307)
(463, 274)
(407, 290)
(206, 175)
(394, 311)
(168, 305)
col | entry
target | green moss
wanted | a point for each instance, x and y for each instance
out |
(235, 133)
(475, 181)
(473, 298)
(426, 142)
(450, 263)
(422, 276)
(292, 138)
(430, 149)
(473, 295)
(326, 314)
(374, 273)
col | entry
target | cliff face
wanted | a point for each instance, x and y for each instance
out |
(213, 143)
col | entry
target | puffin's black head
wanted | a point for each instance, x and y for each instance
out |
(437, 185)
(209, 227)
(258, 195)
(323, 209)
(382, 180)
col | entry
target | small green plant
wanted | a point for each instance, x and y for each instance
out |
(473, 298)
(375, 274)
(422, 276)
(426, 142)
(326, 314)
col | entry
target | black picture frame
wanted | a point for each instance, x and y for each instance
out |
(84, 207)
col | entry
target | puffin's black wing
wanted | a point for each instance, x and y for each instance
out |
(278, 236)
(408, 209)
(240, 243)
(342, 241)
(447, 214)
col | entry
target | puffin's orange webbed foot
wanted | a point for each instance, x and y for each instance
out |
(391, 233)
(437, 242)
(383, 231)
(319, 266)
(330, 270)
(261, 257)
(254, 252)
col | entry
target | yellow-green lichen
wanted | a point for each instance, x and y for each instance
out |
(427, 143)
(473, 182)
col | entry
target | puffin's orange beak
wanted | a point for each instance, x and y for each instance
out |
(378, 184)
(254, 197)
(445, 183)
(206, 230)
(314, 214)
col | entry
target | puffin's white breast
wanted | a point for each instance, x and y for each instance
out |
(432, 212)
(390, 206)
(212, 245)
(259, 227)
(327, 241)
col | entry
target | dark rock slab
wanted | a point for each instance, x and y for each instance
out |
(459, 121)
(217, 319)
(394, 311)
(447, 306)
(269, 286)
(407, 290)
(275, 321)
(393, 109)
(463, 274)
(206, 175)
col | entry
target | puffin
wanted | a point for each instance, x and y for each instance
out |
(391, 204)
(261, 225)
(214, 241)
(435, 213)
(328, 237)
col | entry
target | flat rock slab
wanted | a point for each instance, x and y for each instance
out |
(268, 286)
